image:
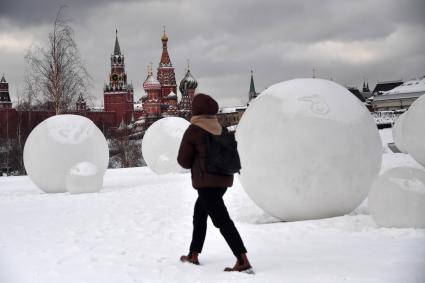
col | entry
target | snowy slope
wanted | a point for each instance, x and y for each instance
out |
(138, 226)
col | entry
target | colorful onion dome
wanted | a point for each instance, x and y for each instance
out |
(188, 82)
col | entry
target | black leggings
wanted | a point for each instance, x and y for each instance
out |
(210, 202)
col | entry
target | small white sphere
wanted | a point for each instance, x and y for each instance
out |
(58, 144)
(397, 198)
(84, 177)
(309, 149)
(161, 142)
(398, 133)
(414, 130)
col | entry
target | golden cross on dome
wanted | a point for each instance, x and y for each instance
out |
(164, 36)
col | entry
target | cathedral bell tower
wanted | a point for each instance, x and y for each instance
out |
(117, 93)
(166, 75)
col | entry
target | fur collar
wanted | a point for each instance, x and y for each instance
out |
(207, 122)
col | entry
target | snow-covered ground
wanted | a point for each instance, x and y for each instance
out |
(138, 226)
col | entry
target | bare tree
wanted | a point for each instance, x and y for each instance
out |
(57, 72)
(127, 152)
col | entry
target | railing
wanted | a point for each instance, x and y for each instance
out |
(384, 117)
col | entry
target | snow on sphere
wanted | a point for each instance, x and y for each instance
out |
(414, 130)
(84, 178)
(161, 142)
(397, 198)
(309, 149)
(398, 133)
(58, 144)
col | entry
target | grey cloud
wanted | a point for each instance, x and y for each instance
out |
(226, 39)
(26, 12)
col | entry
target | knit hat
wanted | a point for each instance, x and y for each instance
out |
(203, 104)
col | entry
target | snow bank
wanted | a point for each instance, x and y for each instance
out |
(137, 227)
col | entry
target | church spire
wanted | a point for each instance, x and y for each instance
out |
(117, 50)
(252, 85)
(365, 86)
(252, 92)
(165, 58)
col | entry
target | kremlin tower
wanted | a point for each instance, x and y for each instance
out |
(81, 104)
(5, 102)
(118, 94)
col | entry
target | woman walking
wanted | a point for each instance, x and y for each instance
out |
(210, 187)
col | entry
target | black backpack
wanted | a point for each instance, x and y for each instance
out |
(222, 154)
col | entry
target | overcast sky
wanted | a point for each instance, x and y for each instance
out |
(348, 41)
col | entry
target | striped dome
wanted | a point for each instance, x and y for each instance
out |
(188, 82)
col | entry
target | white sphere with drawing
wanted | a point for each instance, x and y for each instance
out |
(309, 149)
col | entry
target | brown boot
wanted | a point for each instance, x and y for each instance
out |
(192, 257)
(242, 264)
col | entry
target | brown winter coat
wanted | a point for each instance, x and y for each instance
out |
(193, 151)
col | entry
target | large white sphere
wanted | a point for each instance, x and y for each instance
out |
(397, 198)
(309, 149)
(58, 144)
(398, 133)
(161, 142)
(414, 130)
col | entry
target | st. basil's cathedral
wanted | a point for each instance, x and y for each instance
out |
(160, 98)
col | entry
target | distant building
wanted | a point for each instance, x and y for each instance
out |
(382, 87)
(399, 97)
(366, 93)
